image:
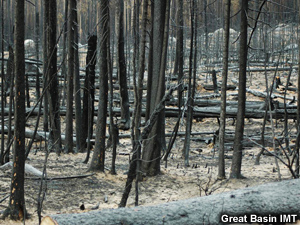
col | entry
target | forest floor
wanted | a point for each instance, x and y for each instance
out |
(174, 183)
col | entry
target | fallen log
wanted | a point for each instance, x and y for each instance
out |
(28, 169)
(268, 69)
(264, 94)
(43, 136)
(201, 112)
(210, 87)
(272, 199)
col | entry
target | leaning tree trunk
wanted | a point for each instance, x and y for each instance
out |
(221, 172)
(134, 165)
(16, 209)
(98, 159)
(239, 129)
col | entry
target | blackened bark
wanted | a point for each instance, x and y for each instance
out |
(221, 172)
(89, 90)
(77, 93)
(37, 46)
(27, 91)
(113, 128)
(70, 78)
(134, 166)
(16, 209)
(179, 50)
(54, 106)
(239, 129)
(9, 71)
(136, 11)
(150, 64)
(45, 63)
(98, 159)
(191, 91)
(3, 78)
(64, 54)
(153, 147)
(121, 63)
(214, 78)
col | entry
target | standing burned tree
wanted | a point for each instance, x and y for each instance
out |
(16, 209)
(89, 92)
(77, 94)
(121, 64)
(154, 146)
(191, 87)
(179, 50)
(134, 166)
(221, 173)
(70, 77)
(54, 106)
(98, 159)
(3, 97)
(239, 129)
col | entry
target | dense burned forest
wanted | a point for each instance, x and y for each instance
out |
(187, 108)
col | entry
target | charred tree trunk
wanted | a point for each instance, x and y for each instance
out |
(239, 129)
(45, 64)
(16, 209)
(153, 147)
(77, 92)
(221, 172)
(134, 166)
(113, 129)
(98, 159)
(89, 91)
(3, 97)
(136, 12)
(191, 90)
(27, 91)
(70, 77)
(37, 46)
(179, 51)
(121, 64)
(150, 63)
(64, 54)
(54, 106)
(215, 84)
